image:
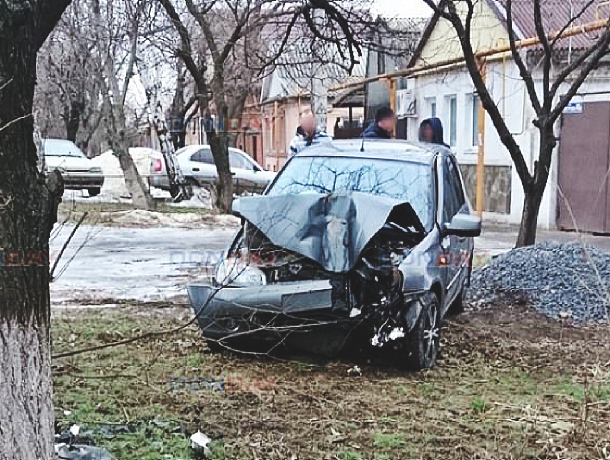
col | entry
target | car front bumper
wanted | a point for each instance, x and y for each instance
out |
(77, 181)
(265, 311)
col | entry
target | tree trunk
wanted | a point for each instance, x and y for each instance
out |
(224, 188)
(133, 181)
(137, 189)
(529, 217)
(28, 208)
(73, 120)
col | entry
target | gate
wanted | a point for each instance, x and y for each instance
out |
(584, 159)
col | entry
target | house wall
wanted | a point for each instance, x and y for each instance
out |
(504, 193)
(487, 30)
(280, 123)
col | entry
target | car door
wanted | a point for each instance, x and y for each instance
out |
(201, 166)
(452, 246)
(242, 170)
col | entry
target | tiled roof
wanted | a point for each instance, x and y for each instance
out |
(555, 15)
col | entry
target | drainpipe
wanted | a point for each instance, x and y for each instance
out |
(392, 94)
(480, 190)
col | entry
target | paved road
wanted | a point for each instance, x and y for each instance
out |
(151, 264)
(145, 264)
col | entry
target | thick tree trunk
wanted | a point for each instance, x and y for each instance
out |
(224, 188)
(529, 218)
(28, 208)
(133, 181)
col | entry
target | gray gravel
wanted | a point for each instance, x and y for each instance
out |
(562, 280)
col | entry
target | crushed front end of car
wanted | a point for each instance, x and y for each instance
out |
(313, 270)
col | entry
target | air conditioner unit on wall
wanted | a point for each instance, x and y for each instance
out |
(405, 103)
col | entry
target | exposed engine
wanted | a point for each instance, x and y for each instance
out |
(372, 290)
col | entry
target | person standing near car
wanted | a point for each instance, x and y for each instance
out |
(383, 126)
(431, 131)
(307, 134)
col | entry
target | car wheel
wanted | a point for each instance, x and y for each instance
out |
(94, 191)
(424, 339)
(457, 306)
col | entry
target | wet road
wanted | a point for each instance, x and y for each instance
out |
(105, 264)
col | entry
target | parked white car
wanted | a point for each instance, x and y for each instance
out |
(197, 166)
(78, 171)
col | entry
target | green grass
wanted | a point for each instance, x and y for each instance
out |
(312, 409)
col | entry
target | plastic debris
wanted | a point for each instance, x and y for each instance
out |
(199, 443)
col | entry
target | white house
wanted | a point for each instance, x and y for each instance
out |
(580, 162)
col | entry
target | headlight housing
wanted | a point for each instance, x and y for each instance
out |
(233, 271)
(95, 170)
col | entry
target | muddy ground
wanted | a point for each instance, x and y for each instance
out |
(510, 384)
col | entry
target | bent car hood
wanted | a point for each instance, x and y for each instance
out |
(329, 229)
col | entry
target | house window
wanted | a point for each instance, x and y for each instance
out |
(475, 120)
(431, 106)
(452, 109)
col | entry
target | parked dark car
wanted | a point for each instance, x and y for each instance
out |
(350, 240)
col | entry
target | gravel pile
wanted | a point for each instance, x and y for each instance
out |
(563, 280)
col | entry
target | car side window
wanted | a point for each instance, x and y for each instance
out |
(453, 197)
(203, 156)
(238, 161)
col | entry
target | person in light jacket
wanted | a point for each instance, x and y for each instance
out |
(307, 134)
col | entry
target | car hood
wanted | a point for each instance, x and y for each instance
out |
(68, 163)
(330, 229)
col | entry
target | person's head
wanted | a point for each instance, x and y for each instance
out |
(431, 130)
(426, 132)
(308, 122)
(385, 119)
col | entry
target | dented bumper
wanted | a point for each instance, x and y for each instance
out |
(268, 310)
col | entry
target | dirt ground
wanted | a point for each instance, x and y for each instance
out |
(509, 384)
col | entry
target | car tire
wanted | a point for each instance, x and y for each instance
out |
(214, 346)
(457, 306)
(94, 191)
(424, 339)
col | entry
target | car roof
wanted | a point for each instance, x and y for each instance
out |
(381, 149)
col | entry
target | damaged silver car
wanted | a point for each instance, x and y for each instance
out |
(352, 241)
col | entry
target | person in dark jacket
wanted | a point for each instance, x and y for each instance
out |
(431, 131)
(382, 127)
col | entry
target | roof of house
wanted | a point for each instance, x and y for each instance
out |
(295, 68)
(556, 14)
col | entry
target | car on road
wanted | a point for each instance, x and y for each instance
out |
(198, 168)
(369, 241)
(78, 171)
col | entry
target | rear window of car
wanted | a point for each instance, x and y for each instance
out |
(400, 180)
(203, 156)
(62, 148)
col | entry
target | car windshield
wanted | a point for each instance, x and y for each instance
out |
(60, 148)
(408, 182)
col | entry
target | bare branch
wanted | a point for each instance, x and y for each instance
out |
(525, 74)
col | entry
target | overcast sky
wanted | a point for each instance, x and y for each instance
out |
(403, 8)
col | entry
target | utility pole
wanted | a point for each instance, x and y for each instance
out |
(480, 191)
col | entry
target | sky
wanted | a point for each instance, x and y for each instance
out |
(402, 8)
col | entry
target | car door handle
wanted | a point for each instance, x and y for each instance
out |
(195, 169)
(232, 173)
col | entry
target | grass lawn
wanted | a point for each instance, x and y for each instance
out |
(510, 384)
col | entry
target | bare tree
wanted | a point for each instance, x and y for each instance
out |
(115, 27)
(67, 99)
(561, 81)
(240, 20)
(28, 210)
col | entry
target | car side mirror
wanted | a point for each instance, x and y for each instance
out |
(463, 225)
